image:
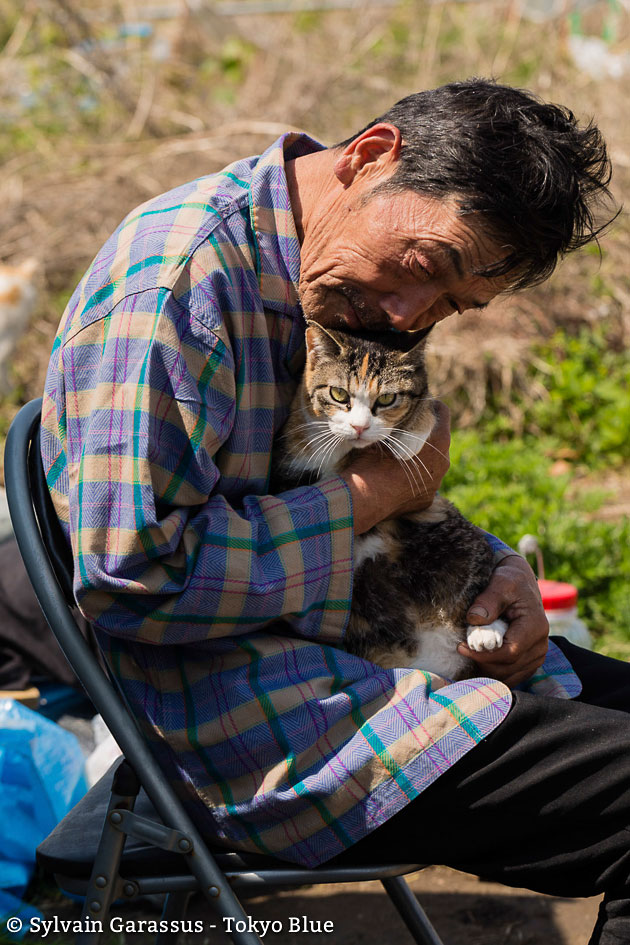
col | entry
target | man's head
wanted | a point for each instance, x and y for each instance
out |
(449, 198)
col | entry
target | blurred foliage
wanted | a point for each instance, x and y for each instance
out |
(507, 488)
(585, 399)
(70, 68)
(514, 485)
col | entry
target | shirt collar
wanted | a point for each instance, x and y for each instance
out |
(277, 243)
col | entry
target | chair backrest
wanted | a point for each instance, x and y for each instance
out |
(41, 543)
(48, 561)
(49, 525)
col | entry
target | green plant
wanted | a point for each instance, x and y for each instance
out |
(507, 489)
(586, 404)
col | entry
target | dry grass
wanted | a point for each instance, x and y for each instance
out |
(98, 120)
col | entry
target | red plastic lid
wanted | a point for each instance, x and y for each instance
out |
(556, 595)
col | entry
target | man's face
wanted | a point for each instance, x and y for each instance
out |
(402, 260)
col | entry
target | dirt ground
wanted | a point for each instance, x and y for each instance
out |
(463, 909)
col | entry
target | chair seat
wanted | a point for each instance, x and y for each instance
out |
(71, 847)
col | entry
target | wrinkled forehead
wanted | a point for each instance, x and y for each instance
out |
(471, 241)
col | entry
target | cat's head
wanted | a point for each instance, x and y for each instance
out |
(369, 387)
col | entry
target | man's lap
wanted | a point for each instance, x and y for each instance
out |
(543, 802)
(605, 681)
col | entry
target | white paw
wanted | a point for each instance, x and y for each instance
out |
(486, 638)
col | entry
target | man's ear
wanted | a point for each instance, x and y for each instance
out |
(321, 343)
(376, 149)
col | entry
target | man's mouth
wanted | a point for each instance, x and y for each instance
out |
(358, 314)
(352, 319)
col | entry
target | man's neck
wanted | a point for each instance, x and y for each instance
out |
(312, 184)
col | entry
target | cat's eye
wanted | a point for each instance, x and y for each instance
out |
(385, 400)
(340, 395)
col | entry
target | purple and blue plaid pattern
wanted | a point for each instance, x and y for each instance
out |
(221, 608)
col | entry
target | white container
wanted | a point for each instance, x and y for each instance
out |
(560, 603)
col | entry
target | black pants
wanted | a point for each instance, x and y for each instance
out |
(543, 803)
(28, 650)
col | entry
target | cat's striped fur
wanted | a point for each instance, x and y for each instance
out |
(415, 576)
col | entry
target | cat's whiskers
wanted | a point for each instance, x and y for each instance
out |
(406, 458)
(327, 452)
(414, 458)
(289, 433)
(410, 477)
(310, 449)
(322, 435)
(410, 456)
(426, 442)
(321, 442)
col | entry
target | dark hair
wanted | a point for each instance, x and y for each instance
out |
(529, 167)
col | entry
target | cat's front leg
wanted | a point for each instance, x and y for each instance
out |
(485, 638)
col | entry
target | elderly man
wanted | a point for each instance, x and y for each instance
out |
(222, 608)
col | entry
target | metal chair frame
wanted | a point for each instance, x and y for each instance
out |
(44, 551)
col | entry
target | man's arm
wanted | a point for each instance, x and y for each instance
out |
(174, 540)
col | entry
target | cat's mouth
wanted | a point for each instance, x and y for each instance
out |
(360, 441)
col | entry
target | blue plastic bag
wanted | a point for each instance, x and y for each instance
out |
(41, 778)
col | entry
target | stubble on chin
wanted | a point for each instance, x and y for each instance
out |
(339, 308)
(320, 306)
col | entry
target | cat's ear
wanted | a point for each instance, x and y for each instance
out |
(321, 343)
(416, 343)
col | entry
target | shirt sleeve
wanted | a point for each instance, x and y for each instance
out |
(161, 556)
(499, 549)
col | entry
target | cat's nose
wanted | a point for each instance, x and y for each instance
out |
(358, 428)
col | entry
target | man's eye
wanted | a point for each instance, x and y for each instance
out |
(420, 269)
(385, 400)
(340, 395)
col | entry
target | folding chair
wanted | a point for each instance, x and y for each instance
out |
(130, 835)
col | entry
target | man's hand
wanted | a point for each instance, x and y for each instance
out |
(384, 487)
(513, 595)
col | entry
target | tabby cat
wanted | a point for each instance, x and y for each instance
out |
(415, 576)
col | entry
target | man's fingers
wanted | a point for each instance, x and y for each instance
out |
(509, 663)
(512, 593)
(510, 675)
(507, 653)
(488, 606)
(436, 450)
(494, 600)
(500, 664)
(441, 433)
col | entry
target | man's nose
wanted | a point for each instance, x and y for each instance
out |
(405, 310)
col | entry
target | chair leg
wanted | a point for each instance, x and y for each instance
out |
(103, 887)
(173, 913)
(410, 911)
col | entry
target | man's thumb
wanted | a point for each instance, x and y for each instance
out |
(483, 611)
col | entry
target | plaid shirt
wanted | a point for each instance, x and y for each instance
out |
(221, 608)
